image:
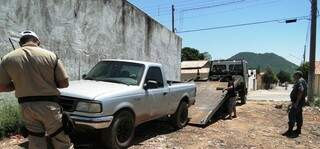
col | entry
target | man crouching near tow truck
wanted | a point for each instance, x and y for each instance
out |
(35, 74)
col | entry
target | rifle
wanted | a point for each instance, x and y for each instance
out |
(11, 43)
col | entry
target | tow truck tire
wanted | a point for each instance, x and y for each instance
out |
(121, 132)
(243, 100)
(180, 117)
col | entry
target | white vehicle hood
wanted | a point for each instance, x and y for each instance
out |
(88, 89)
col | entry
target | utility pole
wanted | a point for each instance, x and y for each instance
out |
(172, 13)
(304, 54)
(312, 57)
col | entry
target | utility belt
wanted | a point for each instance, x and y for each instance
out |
(68, 125)
(38, 99)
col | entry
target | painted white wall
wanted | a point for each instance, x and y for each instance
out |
(252, 80)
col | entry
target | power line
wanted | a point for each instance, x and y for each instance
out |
(179, 3)
(182, 18)
(234, 9)
(244, 24)
(166, 9)
(307, 34)
(306, 40)
(197, 7)
(190, 6)
(217, 5)
(199, 4)
(305, 44)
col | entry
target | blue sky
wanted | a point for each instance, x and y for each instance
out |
(286, 40)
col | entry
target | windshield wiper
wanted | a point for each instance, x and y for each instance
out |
(88, 78)
(114, 81)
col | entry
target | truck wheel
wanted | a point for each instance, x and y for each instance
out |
(180, 118)
(121, 132)
(243, 100)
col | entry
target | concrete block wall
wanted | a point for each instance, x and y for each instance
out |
(81, 32)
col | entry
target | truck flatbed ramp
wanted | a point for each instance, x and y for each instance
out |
(208, 100)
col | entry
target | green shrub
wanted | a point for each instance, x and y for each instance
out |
(317, 102)
(10, 118)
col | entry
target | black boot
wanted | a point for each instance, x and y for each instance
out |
(289, 132)
(298, 130)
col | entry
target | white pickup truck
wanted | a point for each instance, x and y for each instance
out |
(117, 95)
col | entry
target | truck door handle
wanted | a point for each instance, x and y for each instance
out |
(165, 93)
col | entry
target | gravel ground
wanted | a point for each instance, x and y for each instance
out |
(259, 125)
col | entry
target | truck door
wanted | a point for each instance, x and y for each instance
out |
(157, 96)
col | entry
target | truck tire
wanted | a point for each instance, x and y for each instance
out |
(243, 100)
(121, 132)
(180, 118)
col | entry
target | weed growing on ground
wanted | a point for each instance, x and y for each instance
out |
(10, 118)
(317, 102)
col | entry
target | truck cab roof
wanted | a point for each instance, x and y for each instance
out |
(134, 61)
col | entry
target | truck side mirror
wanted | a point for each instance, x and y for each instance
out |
(84, 76)
(150, 84)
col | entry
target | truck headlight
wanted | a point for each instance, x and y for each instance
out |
(90, 107)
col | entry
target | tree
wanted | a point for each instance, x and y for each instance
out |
(258, 69)
(269, 78)
(284, 76)
(188, 54)
(207, 56)
(304, 68)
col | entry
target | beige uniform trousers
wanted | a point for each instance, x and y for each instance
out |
(45, 117)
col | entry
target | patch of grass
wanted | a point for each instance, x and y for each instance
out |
(10, 118)
(317, 102)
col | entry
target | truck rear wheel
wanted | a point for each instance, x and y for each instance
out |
(180, 118)
(121, 132)
(243, 100)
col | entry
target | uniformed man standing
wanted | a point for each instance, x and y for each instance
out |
(35, 74)
(298, 95)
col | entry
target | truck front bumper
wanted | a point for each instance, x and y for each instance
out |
(94, 122)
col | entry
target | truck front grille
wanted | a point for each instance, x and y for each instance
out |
(68, 103)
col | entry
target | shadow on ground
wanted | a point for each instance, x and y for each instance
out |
(152, 129)
(144, 131)
(220, 114)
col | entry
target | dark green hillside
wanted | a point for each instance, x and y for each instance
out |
(276, 62)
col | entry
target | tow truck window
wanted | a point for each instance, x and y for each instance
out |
(154, 74)
(219, 69)
(236, 69)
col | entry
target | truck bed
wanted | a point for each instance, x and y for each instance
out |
(208, 100)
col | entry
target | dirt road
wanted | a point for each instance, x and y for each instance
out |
(259, 125)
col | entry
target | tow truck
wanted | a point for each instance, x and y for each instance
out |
(210, 79)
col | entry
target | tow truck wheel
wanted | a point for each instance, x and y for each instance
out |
(121, 131)
(180, 118)
(243, 100)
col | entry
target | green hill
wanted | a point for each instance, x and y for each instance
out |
(256, 60)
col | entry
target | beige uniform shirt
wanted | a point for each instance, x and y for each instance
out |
(31, 69)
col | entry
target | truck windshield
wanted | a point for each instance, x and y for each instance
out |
(219, 69)
(117, 72)
(236, 69)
